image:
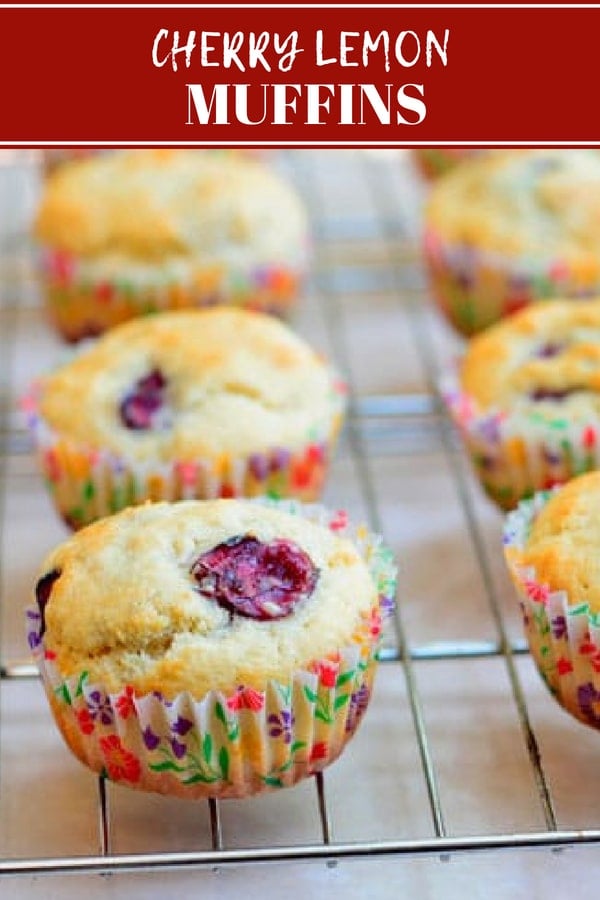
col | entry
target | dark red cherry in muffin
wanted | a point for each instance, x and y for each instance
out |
(556, 394)
(140, 408)
(256, 580)
(550, 349)
(43, 589)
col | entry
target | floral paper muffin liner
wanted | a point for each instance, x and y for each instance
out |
(87, 483)
(475, 288)
(516, 454)
(563, 634)
(81, 306)
(227, 745)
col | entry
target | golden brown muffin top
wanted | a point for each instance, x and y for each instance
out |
(537, 204)
(563, 545)
(124, 605)
(546, 357)
(233, 382)
(151, 205)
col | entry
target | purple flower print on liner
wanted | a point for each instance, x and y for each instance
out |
(387, 605)
(489, 429)
(465, 279)
(358, 704)
(559, 627)
(179, 749)
(181, 726)
(33, 629)
(552, 457)
(518, 282)
(162, 698)
(281, 725)
(151, 740)
(280, 459)
(587, 695)
(259, 466)
(99, 707)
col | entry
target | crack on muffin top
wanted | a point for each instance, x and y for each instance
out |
(190, 385)
(161, 576)
(546, 356)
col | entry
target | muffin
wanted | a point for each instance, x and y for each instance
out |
(181, 405)
(511, 228)
(552, 546)
(211, 648)
(125, 234)
(527, 398)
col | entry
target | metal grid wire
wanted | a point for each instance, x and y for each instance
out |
(360, 255)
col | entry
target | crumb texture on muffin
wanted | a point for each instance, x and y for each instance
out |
(563, 545)
(127, 609)
(189, 384)
(144, 208)
(546, 355)
(540, 204)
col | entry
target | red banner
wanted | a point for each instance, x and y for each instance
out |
(288, 75)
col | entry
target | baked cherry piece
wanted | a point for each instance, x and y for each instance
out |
(43, 589)
(542, 393)
(139, 410)
(550, 349)
(256, 580)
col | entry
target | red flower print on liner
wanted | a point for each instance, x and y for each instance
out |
(327, 672)
(124, 704)
(339, 520)
(121, 765)
(558, 271)
(51, 465)
(589, 437)
(537, 592)
(85, 721)
(373, 622)
(302, 473)
(564, 666)
(246, 698)
(596, 662)
(105, 292)
(61, 266)
(319, 751)
(188, 472)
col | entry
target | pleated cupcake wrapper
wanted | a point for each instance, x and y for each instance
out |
(84, 307)
(516, 455)
(563, 633)
(476, 287)
(227, 746)
(86, 483)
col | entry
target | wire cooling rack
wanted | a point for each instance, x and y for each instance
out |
(461, 750)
